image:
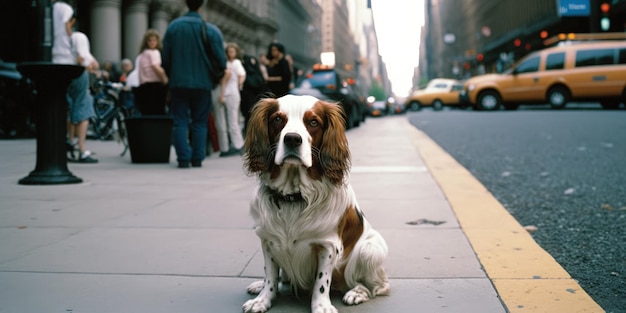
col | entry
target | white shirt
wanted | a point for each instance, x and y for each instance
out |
(132, 80)
(236, 70)
(61, 47)
(80, 45)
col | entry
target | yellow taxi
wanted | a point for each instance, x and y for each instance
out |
(571, 71)
(439, 92)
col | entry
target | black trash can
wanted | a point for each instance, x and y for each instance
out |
(149, 138)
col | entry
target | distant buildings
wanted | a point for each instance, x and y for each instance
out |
(468, 37)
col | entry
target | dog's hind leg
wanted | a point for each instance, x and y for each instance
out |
(364, 272)
(256, 287)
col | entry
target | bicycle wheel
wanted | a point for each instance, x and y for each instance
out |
(106, 110)
(121, 133)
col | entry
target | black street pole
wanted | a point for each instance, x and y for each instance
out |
(43, 32)
(51, 82)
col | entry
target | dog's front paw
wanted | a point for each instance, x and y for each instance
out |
(257, 305)
(327, 308)
(322, 305)
(357, 295)
(256, 287)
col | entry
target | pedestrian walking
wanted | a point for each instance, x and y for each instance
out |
(151, 95)
(186, 61)
(127, 98)
(80, 101)
(253, 87)
(227, 101)
(278, 70)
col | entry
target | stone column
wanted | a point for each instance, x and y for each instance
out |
(160, 18)
(106, 30)
(135, 26)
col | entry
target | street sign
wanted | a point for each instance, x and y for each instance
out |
(574, 7)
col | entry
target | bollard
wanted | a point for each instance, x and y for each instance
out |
(51, 81)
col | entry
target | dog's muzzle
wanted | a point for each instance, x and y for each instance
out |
(291, 150)
(292, 140)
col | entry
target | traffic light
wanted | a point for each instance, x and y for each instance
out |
(605, 21)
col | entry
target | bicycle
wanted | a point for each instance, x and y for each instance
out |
(108, 123)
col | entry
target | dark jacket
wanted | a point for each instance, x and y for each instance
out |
(279, 88)
(183, 56)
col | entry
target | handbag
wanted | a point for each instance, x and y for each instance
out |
(216, 71)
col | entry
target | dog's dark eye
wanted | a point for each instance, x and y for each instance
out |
(277, 120)
(314, 123)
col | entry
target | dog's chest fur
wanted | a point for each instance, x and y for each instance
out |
(293, 229)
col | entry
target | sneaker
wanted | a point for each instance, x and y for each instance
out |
(85, 157)
(71, 148)
(183, 164)
(226, 154)
(232, 152)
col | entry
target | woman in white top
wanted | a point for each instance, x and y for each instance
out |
(226, 108)
(79, 99)
(62, 19)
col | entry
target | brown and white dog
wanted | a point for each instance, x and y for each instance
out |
(304, 208)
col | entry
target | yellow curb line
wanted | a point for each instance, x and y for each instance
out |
(526, 277)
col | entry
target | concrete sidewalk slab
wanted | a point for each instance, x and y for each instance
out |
(154, 238)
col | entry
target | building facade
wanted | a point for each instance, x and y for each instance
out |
(305, 27)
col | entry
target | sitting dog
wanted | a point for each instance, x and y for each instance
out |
(305, 210)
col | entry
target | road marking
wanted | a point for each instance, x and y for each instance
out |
(526, 277)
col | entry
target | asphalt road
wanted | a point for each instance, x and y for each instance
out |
(561, 171)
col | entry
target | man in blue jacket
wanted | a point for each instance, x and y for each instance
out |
(187, 64)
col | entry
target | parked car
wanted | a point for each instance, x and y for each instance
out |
(17, 98)
(590, 71)
(378, 108)
(326, 81)
(395, 107)
(355, 93)
(439, 92)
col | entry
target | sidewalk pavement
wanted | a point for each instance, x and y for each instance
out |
(155, 238)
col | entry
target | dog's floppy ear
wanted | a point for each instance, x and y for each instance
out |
(258, 144)
(334, 151)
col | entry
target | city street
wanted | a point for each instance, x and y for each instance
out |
(498, 207)
(561, 171)
(154, 238)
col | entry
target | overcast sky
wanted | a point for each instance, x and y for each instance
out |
(398, 24)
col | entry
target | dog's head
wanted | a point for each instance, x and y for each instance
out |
(297, 131)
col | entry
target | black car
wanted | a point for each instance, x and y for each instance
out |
(17, 97)
(325, 83)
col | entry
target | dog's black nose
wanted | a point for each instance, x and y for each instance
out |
(292, 140)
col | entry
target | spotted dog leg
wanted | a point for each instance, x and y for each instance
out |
(263, 301)
(320, 300)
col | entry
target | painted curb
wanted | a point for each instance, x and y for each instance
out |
(526, 277)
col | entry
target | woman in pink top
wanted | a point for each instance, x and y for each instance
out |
(150, 96)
